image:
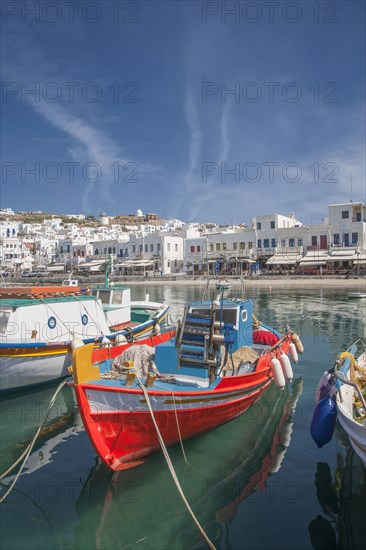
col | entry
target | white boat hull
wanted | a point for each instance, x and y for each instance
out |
(21, 372)
(355, 431)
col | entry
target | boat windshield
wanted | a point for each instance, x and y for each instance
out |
(104, 296)
(228, 315)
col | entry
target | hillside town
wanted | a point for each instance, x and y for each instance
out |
(39, 244)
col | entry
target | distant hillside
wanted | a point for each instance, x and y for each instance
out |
(89, 221)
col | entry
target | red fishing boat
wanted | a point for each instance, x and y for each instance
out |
(219, 364)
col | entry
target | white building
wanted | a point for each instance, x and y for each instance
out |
(9, 229)
(155, 253)
(348, 224)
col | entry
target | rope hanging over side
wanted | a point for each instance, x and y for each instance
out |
(171, 467)
(28, 450)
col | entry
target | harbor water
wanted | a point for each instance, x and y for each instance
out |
(256, 483)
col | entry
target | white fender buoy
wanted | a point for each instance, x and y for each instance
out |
(298, 344)
(156, 330)
(276, 371)
(286, 367)
(105, 342)
(293, 352)
(76, 343)
(120, 339)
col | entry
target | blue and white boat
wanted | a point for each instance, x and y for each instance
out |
(341, 394)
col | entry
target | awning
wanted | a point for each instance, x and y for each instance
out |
(340, 258)
(284, 259)
(309, 263)
(360, 260)
(343, 252)
(60, 267)
(136, 263)
(91, 266)
(314, 257)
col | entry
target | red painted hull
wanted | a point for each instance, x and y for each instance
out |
(123, 437)
(121, 429)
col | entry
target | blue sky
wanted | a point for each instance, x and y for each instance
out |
(182, 108)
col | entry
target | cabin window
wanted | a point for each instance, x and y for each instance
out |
(228, 315)
(244, 315)
(117, 297)
(104, 296)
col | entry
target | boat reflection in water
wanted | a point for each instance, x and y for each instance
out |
(22, 414)
(342, 498)
(226, 465)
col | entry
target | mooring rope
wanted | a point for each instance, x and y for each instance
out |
(178, 429)
(28, 450)
(171, 467)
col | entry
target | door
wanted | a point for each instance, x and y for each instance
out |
(323, 242)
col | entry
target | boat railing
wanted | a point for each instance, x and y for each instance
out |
(342, 378)
(228, 278)
(358, 343)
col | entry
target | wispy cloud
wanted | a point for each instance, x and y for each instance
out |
(195, 137)
(88, 142)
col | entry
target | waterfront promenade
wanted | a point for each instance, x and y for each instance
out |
(263, 281)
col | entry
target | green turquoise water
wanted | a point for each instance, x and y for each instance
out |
(258, 482)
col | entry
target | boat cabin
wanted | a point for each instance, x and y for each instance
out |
(205, 327)
(52, 319)
(116, 302)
